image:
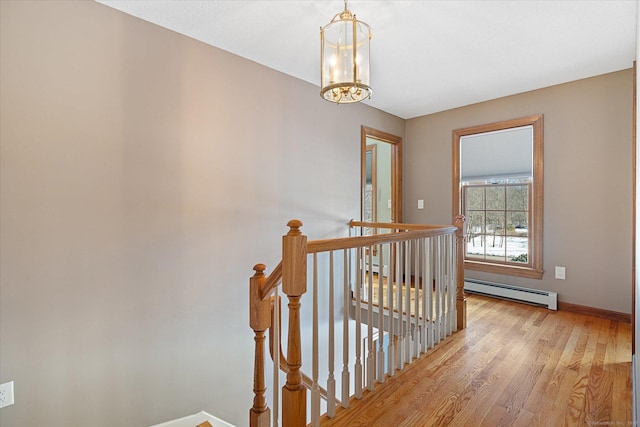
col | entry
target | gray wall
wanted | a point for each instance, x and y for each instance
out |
(587, 172)
(142, 175)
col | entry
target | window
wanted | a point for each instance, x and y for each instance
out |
(497, 186)
(497, 221)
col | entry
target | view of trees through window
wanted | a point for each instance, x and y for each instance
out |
(497, 220)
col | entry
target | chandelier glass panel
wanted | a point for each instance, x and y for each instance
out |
(344, 44)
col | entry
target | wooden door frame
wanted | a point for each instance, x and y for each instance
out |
(396, 168)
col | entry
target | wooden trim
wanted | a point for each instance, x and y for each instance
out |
(597, 312)
(294, 284)
(272, 282)
(506, 269)
(536, 203)
(315, 246)
(259, 321)
(416, 230)
(396, 167)
(461, 299)
(395, 225)
(396, 182)
(538, 190)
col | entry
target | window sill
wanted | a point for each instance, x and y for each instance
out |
(509, 270)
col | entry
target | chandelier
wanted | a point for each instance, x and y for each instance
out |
(344, 59)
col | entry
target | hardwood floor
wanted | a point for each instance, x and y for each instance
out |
(515, 365)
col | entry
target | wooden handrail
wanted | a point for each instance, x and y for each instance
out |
(271, 282)
(364, 241)
(324, 245)
(395, 225)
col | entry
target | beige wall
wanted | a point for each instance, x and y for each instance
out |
(142, 175)
(587, 192)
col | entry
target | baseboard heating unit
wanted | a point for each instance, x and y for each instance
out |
(514, 293)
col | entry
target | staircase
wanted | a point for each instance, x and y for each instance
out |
(379, 300)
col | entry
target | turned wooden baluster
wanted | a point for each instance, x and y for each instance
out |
(260, 321)
(294, 284)
(461, 299)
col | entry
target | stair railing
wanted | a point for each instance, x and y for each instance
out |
(402, 286)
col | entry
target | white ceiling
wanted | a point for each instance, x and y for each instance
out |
(427, 56)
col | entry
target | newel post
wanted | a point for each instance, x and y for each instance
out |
(294, 284)
(259, 320)
(461, 299)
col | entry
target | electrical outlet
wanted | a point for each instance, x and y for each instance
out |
(561, 273)
(6, 394)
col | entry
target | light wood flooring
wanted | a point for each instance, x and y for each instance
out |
(514, 365)
(385, 301)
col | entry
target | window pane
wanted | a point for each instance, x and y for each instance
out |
(518, 249)
(475, 198)
(495, 247)
(495, 197)
(475, 222)
(475, 246)
(518, 197)
(517, 224)
(495, 223)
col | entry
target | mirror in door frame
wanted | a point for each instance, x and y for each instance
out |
(382, 185)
